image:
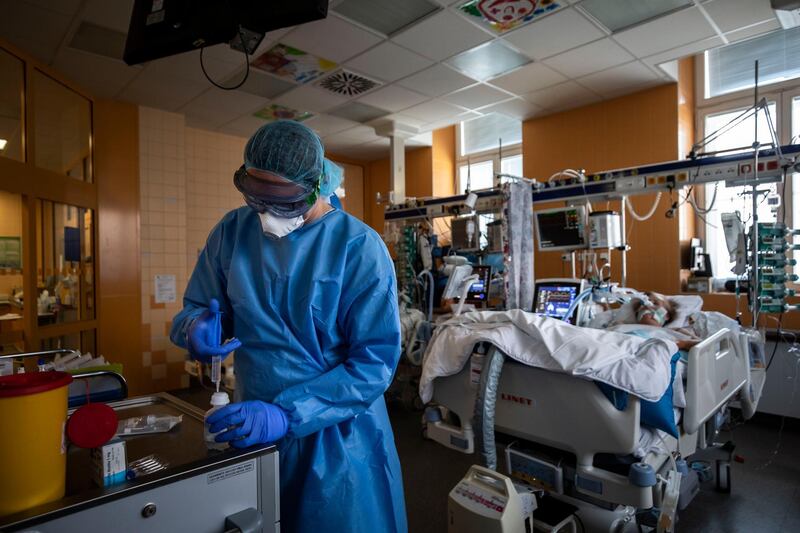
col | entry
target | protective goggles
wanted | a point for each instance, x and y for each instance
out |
(281, 197)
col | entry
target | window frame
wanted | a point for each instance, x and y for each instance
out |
(34, 184)
(781, 93)
(493, 155)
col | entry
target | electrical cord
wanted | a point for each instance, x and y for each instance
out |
(777, 341)
(246, 71)
(642, 218)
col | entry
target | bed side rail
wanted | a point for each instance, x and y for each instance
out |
(718, 369)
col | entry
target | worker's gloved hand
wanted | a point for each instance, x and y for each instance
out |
(248, 423)
(204, 336)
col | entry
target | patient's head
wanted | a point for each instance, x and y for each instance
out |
(657, 313)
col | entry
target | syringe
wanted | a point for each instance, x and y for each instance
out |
(216, 370)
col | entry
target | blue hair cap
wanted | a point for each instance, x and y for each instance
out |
(288, 149)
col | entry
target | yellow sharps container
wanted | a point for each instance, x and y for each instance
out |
(33, 454)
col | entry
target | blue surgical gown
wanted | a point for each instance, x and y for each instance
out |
(317, 315)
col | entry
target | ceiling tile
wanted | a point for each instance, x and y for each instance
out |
(154, 89)
(260, 84)
(529, 78)
(754, 30)
(612, 81)
(186, 66)
(67, 7)
(406, 120)
(115, 15)
(732, 15)
(617, 15)
(357, 135)
(441, 36)
(488, 61)
(479, 95)
(292, 64)
(101, 76)
(557, 33)
(243, 126)
(515, 108)
(35, 30)
(332, 38)
(683, 51)
(393, 98)
(563, 96)
(665, 33)
(326, 125)
(589, 58)
(358, 112)
(224, 52)
(216, 107)
(388, 62)
(308, 98)
(449, 121)
(436, 81)
(385, 16)
(433, 111)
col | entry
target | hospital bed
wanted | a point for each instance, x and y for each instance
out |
(573, 424)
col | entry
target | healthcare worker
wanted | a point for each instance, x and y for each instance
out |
(309, 292)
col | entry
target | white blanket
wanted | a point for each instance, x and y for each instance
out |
(633, 364)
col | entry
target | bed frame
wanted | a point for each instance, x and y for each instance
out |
(572, 414)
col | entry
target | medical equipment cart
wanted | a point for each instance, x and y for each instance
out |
(201, 490)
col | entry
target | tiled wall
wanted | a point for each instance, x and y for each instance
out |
(211, 159)
(186, 187)
(162, 164)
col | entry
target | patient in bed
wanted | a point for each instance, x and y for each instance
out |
(655, 313)
(659, 312)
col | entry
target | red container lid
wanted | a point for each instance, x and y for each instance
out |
(33, 383)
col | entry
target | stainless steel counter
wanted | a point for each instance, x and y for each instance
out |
(205, 478)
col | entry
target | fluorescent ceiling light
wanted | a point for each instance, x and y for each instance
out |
(620, 14)
(3, 144)
(488, 61)
(386, 16)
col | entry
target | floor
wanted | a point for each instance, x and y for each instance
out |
(765, 490)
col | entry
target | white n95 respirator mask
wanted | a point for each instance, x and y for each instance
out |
(276, 227)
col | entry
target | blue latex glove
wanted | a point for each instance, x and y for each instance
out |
(205, 333)
(248, 423)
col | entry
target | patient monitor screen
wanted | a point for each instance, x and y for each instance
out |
(561, 229)
(554, 300)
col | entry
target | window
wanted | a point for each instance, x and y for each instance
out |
(475, 176)
(487, 133)
(730, 68)
(62, 129)
(511, 165)
(728, 199)
(480, 157)
(12, 74)
(796, 177)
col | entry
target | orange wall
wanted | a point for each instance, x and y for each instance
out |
(419, 172)
(419, 182)
(636, 129)
(444, 161)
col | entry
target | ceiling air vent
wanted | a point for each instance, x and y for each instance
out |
(347, 83)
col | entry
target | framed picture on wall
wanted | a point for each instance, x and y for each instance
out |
(11, 252)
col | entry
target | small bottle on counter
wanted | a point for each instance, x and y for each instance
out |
(218, 400)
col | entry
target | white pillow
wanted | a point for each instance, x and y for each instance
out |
(685, 306)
